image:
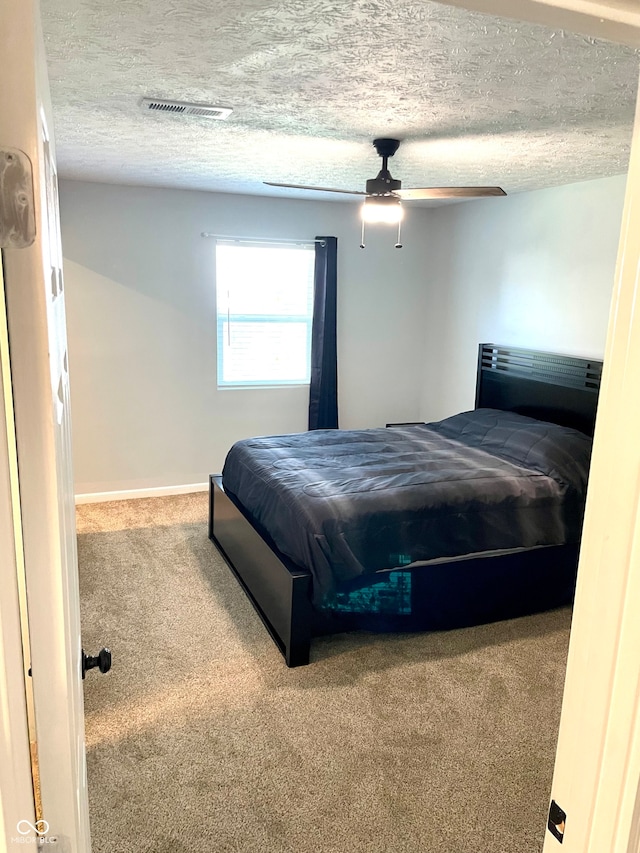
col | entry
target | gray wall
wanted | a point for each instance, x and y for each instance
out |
(141, 324)
(534, 270)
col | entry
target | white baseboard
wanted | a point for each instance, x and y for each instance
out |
(132, 494)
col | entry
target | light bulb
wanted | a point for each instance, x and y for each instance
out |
(385, 209)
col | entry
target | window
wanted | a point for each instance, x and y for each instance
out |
(265, 307)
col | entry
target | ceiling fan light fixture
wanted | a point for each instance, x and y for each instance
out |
(384, 209)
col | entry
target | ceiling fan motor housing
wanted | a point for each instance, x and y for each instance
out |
(382, 184)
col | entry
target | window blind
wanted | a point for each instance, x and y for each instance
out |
(264, 294)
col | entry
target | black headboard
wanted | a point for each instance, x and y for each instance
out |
(556, 388)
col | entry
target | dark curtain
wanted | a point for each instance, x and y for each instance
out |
(323, 390)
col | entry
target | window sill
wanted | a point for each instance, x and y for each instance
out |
(261, 387)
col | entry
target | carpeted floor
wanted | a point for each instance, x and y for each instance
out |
(200, 739)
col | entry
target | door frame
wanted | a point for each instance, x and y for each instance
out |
(16, 781)
(613, 20)
(599, 787)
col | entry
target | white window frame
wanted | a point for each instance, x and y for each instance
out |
(221, 318)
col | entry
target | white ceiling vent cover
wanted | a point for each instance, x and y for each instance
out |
(158, 105)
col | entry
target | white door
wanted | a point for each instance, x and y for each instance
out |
(34, 295)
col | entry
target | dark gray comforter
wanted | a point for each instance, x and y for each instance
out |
(344, 503)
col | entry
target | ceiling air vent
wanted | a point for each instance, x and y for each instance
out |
(182, 108)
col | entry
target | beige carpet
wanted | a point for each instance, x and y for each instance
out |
(200, 739)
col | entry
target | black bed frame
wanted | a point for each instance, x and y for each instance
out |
(556, 388)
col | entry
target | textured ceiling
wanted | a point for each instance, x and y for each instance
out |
(475, 99)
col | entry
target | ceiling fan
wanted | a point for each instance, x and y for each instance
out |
(384, 194)
(383, 184)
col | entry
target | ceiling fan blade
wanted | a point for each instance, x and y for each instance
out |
(315, 189)
(449, 192)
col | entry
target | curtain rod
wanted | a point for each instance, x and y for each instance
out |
(296, 240)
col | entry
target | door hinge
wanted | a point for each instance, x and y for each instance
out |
(557, 821)
(17, 202)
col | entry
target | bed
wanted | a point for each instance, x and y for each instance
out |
(422, 526)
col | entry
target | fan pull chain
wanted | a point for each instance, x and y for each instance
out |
(399, 244)
(362, 237)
